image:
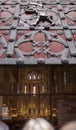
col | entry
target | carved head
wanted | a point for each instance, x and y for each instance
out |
(38, 124)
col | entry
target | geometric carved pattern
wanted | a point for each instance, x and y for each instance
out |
(37, 32)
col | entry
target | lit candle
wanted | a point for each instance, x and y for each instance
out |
(25, 91)
(34, 89)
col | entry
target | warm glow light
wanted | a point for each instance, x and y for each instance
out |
(25, 91)
(46, 111)
(54, 115)
(3, 105)
(34, 76)
(42, 89)
(34, 90)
